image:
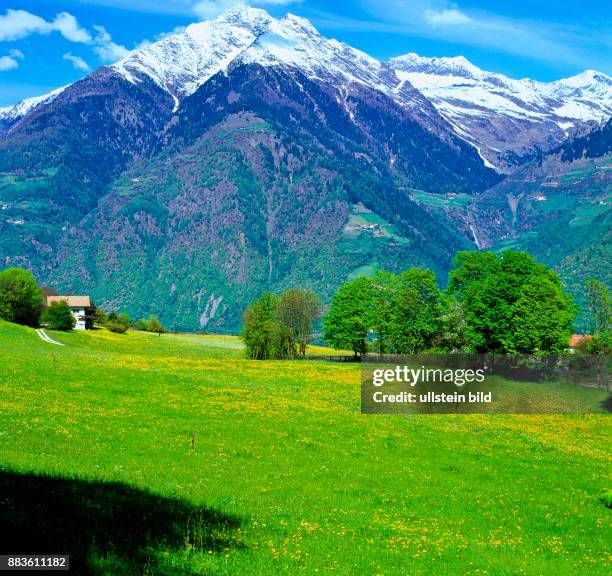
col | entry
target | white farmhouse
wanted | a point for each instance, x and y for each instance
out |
(78, 306)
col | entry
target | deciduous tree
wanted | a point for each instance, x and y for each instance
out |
(57, 316)
(20, 297)
(350, 316)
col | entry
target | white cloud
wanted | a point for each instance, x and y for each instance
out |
(77, 61)
(8, 63)
(446, 17)
(105, 48)
(16, 24)
(67, 25)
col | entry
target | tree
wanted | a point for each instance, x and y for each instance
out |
(90, 315)
(57, 316)
(141, 325)
(115, 326)
(154, 325)
(297, 311)
(260, 330)
(415, 308)
(350, 315)
(453, 332)
(542, 318)
(20, 297)
(100, 316)
(117, 322)
(381, 314)
(124, 318)
(600, 305)
(512, 304)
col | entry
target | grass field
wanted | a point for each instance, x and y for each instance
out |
(286, 476)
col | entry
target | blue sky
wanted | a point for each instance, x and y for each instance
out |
(48, 43)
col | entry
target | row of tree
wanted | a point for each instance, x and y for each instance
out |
(280, 326)
(502, 303)
(120, 322)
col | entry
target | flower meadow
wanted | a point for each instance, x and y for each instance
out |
(175, 455)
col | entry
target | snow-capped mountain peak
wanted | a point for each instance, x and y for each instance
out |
(182, 62)
(451, 66)
(587, 83)
(10, 114)
(243, 16)
(507, 118)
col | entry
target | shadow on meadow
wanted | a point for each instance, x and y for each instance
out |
(106, 528)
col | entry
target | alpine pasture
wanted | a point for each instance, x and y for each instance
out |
(172, 454)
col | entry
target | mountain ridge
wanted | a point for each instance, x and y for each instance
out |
(508, 120)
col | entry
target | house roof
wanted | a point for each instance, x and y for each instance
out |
(72, 301)
(576, 339)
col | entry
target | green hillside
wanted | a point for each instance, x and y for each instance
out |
(286, 476)
(558, 212)
(198, 232)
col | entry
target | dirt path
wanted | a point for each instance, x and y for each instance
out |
(44, 336)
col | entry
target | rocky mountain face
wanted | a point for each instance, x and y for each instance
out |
(509, 120)
(267, 178)
(58, 160)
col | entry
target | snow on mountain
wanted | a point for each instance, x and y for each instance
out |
(182, 62)
(507, 118)
(13, 113)
(295, 42)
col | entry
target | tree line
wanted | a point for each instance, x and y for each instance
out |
(494, 303)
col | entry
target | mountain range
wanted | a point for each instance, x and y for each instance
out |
(249, 153)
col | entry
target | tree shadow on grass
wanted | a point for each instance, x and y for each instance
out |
(106, 528)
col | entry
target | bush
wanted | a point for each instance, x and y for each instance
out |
(20, 297)
(141, 325)
(124, 318)
(151, 325)
(58, 317)
(154, 325)
(116, 326)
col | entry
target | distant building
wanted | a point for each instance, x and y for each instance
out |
(78, 305)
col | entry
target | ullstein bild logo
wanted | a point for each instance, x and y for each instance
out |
(463, 383)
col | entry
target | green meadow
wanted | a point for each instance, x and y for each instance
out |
(174, 455)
